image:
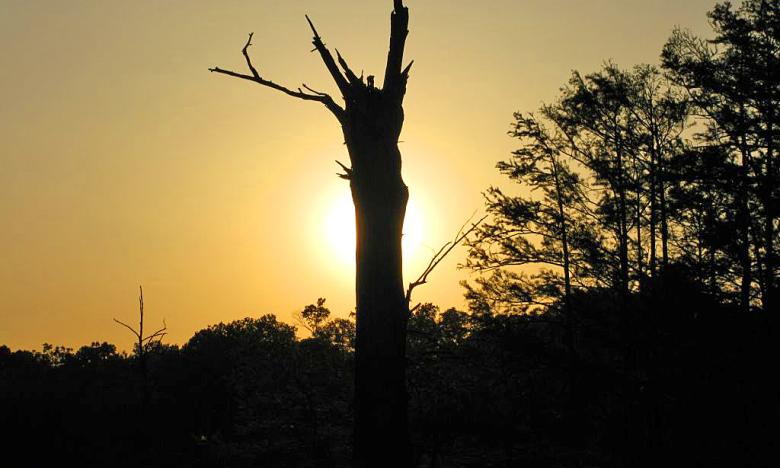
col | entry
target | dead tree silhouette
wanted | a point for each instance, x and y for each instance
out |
(371, 119)
(143, 344)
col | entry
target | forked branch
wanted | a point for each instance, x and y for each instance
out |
(441, 255)
(349, 84)
(159, 334)
(353, 79)
(144, 341)
(255, 77)
(347, 175)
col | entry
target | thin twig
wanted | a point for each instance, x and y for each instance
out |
(441, 255)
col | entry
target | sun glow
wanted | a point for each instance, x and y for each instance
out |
(339, 226)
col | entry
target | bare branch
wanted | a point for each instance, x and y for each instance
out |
(404, 79)
(313, 29)
(399, 24)
(347, 171)
(255, 77)
(159, 333)
(441, 255)
(353, 79)
(128, 327)
(327, 58)
(405, 72)
(314, 91)
(248, 60)
(156, 334)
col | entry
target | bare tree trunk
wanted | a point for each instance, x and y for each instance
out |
(769, 220)
(622, 220)
(371, 120)
(573, 404)
(663, 211)
(653, 209)
(652, 127)
(380, 197)
(638, 217)
(743, 217)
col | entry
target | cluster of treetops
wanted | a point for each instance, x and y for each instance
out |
(626, 314)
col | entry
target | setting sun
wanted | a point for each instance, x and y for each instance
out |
(338, 224)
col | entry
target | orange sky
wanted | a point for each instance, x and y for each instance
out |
(123, 161)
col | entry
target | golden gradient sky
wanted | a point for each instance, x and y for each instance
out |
(123, 161)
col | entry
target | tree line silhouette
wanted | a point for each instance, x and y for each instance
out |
(623, 313)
